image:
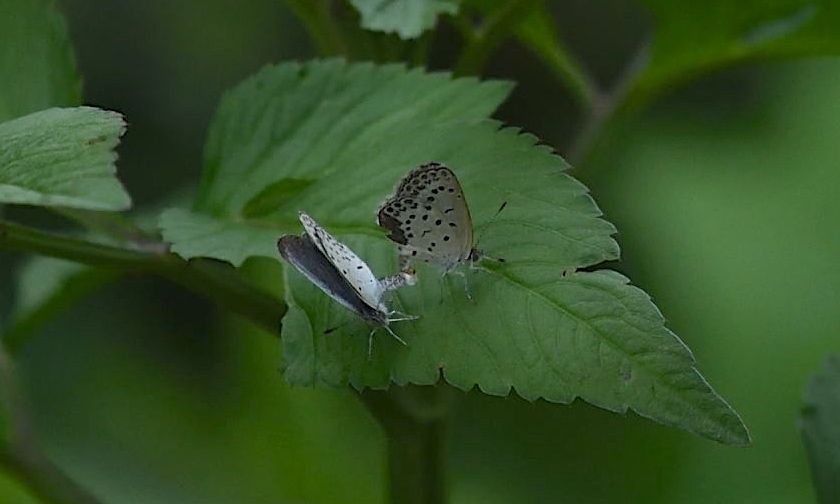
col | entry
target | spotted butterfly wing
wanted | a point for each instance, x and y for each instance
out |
(307, 258)
(342, 275)
(429, 219)
(355, 271)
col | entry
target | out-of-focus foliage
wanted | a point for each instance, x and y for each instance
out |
(821, 429)
(723, 203)
(37, 69)
(694, 38)
(406, 18)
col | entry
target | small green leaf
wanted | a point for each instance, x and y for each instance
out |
(820, 425)
(62, 157)
(37, 69)
(693, 38)
(535, 325)
(197, 235)
(47, 287)
(407, 18)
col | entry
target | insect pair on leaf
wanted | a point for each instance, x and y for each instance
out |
(429, 220)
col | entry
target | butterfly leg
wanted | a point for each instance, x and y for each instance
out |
(394, 335)
(402, 316)
(466, 283)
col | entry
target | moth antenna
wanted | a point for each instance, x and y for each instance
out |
(404, 317)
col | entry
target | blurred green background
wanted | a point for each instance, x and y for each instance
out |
(725, 196)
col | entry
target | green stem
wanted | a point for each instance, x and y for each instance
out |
(216, 281)
(481, 40)
(325, 33)
(20, 457)
(569, 72)
(42, 478)
(604, 108)
(415, 422)
(420, 50)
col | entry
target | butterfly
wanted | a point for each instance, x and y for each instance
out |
(428, 218)
(342, 275)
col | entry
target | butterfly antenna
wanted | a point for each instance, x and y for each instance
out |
(477, 254)
(491, 219)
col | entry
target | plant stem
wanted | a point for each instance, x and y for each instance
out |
(211, 279)
(481, 40)
(21, 458)
(604, 106)
(42, 478)
(415, 422)
(420, 50)
(582, 85)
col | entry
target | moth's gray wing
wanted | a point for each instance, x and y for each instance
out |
(304, 256)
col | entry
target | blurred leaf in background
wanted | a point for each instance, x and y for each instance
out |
(820, 425)
(695, 38)
(723, 203)
(406, 18)
(37, 67)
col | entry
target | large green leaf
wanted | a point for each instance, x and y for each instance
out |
(407, 18)
(37, 69)
(62, 157)
(535, 325)
(692, 38)
(821, 430)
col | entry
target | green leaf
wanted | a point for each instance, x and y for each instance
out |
(37, 69)
(197, 235)
(820, 425)
(46, 288)
(693, 38)
(288, 133)
(535, 325)
(62, 157)
(407, 18)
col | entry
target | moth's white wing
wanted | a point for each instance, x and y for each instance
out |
(357, 273)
